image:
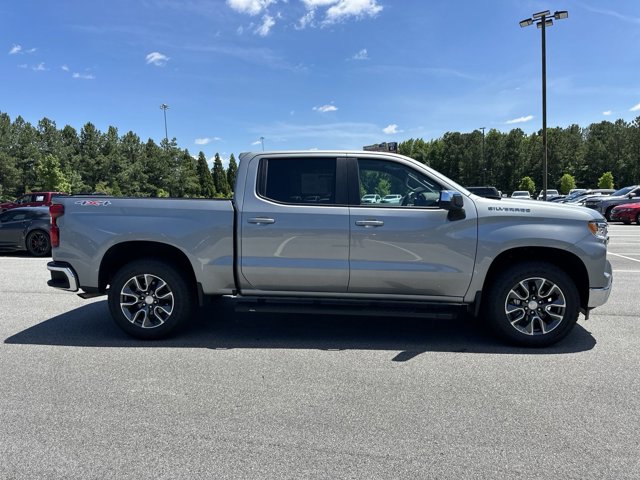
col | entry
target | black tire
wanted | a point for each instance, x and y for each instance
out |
(149, 299)
(638, 219)
(532, 304)
(38, 243)
(607, 214)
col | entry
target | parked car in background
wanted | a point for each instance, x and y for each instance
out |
(521, 194)
(626, 213)
(605, 205)
(580, 198)
(486, 192)
(31, 199)
(393, 198)
(371, 198)
(551, 194)
(26, 228)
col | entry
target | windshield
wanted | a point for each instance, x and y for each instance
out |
(622, 191)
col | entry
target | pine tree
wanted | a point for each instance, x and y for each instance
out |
(207, 188)
(232, 172)
(219, 178)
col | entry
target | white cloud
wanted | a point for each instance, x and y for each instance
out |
(391, 129)
(83, 76)
(240, 30)
(31, 50)
(343, 9)
(635, 108)
(206, 140)
(257, 142)
(325, 108)
(520, 120)
(361, 55)
(265, 27)
(39, 67)
(156, 58)
(65, 68)
(23, 65)
(607, 112)
(306, 20)
(252, 7)
(15, 49)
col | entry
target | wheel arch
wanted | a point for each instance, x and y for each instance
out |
(121, 254)
(567, 261)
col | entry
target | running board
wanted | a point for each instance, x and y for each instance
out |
(336, 307)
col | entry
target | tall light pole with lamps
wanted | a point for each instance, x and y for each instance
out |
(542, 21)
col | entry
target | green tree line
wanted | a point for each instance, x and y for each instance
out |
(43, 157)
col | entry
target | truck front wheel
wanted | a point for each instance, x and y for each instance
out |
(533, 304)
(149, 299)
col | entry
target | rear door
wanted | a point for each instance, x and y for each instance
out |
(410, 248)
(294, 227)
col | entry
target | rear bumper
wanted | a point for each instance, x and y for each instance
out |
(599, 296)
(62, 276)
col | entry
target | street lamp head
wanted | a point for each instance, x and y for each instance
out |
(526, 22)
(546, 13)
(561, 15)
(547, 23)
(164, 106)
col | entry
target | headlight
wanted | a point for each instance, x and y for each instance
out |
(599, 229)
(618, 210)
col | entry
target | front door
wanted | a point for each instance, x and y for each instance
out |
(407, 245)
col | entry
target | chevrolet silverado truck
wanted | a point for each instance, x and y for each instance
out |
(297, 237)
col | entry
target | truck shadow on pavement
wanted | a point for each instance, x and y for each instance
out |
(221, 328)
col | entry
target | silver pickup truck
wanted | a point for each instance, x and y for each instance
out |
(298, 237)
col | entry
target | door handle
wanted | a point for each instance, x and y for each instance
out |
(369, 223)
(261, 220)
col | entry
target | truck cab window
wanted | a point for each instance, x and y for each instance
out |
(389, 184)
(298, 181)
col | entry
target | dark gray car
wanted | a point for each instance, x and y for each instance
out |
(26, 228)
(605, 204)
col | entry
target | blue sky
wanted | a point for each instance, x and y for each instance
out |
(314, 74)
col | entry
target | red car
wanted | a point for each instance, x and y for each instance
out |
(31, 199)
(627, 213)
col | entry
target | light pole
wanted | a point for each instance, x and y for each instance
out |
(262, 142)
(484, 165)
(164, 108)
(542, 21)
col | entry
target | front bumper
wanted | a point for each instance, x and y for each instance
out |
(62, 276)
(599, 296)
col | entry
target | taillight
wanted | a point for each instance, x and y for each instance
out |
(55, 211)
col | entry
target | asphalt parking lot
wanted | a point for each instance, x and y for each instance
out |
(285, 396)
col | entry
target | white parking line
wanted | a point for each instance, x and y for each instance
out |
(622, 256)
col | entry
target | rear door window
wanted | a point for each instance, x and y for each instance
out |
(298, 180)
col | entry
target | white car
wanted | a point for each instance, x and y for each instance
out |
(371, 198)
(551, 194)
(393, 198)
(521, 194)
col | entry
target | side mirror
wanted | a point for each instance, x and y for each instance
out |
(632, 195)
(450, 200)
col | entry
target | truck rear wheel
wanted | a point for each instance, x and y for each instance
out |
(149, 299)
(533, 304)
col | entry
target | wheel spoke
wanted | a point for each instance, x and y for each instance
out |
(535, 306)
(146, 300)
